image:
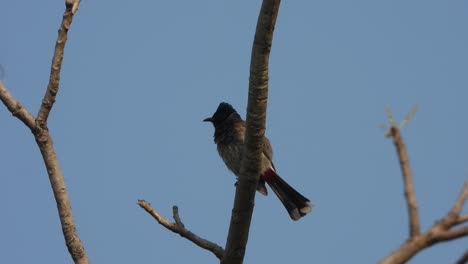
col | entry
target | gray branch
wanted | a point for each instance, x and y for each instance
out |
(179, 228)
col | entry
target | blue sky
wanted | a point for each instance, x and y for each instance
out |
(138, 78)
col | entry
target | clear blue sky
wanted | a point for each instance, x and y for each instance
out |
(138, 78)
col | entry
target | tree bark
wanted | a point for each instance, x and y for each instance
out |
(255, 129)
(44, 141)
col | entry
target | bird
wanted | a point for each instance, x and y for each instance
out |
(229, 137)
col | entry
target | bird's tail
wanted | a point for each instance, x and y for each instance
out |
(296, 204)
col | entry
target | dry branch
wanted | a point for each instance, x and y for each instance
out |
(44, 141)
(443, 230)
(457, 207)
(179, 228)
(451, 234)
(255, 130)
(57, 182)
(54, 80)
(410, 196)
(16, 108)
(461, 219)
(250, 169)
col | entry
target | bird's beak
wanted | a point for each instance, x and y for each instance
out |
(209, 119)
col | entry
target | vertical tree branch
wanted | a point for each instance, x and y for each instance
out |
(410, 196)
(44, 141)
(57, 182)
(46, 146)
(54, 80)
(255, 130)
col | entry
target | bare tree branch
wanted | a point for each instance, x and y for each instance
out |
(16, 108)
(255, 129)
(461, 220)
(410, 196)
(457, 207)
(442, 230)
(53, 87)
(463, 259)
(57, 182)
(44, 141)
(179, 228)
(451, 234)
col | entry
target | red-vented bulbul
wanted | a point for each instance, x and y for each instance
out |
(229, 138)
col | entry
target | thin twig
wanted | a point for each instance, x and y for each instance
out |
(451, 234)
(390, 117)
(175, 215)
(16, 108)
(443, 230)
(453, 216)
(408, 182)
(178, 227)
(457, 207)
(461, 220)
(408, 116)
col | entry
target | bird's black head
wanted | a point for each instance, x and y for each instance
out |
(222, 113)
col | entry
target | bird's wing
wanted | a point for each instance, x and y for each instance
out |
(268, 151)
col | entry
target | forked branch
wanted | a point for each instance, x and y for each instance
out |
(255, 130)
(443, 230)
(44, 141)
(179, 228)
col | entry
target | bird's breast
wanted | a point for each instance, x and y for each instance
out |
(231, 155)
